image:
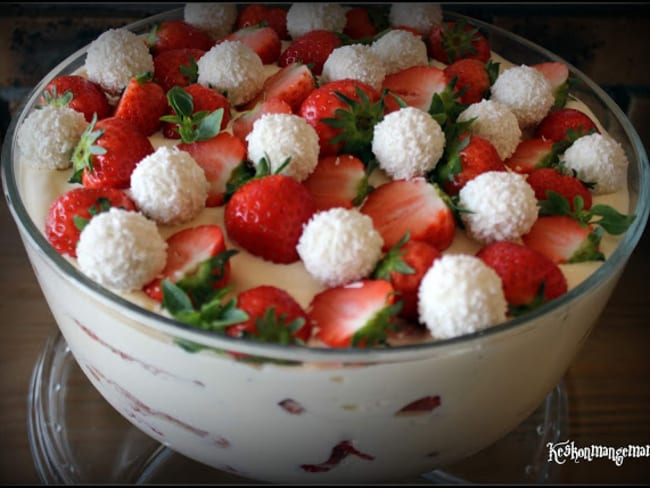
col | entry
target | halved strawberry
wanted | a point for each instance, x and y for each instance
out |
(273, 316)
(261, 39)
(217, 156)
(242, 125)
(312, 49)
(557, 74)
(416, 86)
(414, 206)
(292, 83)
(78, 93)
(543, 180)
(564, 239)
(177, 67)
(142, 103)
(532, 154)
(177, 34)
(557, 125)
(338, 181)
(196, 257)
(358, 314)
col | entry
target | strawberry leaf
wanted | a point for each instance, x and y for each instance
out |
(276, 328)
(375, 330)
(190, 70)
(85, 150)
(392, 261)
(611, 220)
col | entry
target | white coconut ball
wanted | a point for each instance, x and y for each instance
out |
(339, 245)
(306, 17)
(526, 91)
(495, 122)
(48, 136)
(498, 206)
(121, 249)
(216, 19)
(399, 49)
(169, 186)
(422, 17)
(408, 143)
(233, 68)
(356, 62)
(115, 57)
(459, 295)
(277, 137)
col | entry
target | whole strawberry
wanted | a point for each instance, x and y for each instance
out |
(78, 93)
(69, 214)
(312, 49)
(177, 34)
(543, 180)
(177, 67)
(563, 124)
(142, 103)
(108, 152)
(451, 41)
(529, 278)
(256, 13)
(474, 77)
(265, 216)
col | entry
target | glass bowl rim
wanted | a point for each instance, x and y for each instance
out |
(615, 262)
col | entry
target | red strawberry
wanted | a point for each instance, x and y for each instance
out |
(550, 179)
(357, 119)
(266, 215)
(243, 124)
(564, 239)
(414, 206)
(256, 14)
(338, 181)
(472, 75)
(557, 123)
(188, 250)
(467, 158)
(273, 316)
(292, 83)
(263, 40)
(79, 94)
(531, 154)
(204, 99)
(404, 266)
(358, 314)
(177, 34)
(69, 213)
(524, 273)
(142, 103)
(416, 86)
(312, 48)
(108, 152)
(217, 156)
(557, 74)
(451, 41)
(177, 67)
(359, 25)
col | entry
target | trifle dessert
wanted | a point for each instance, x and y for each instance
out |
(310, 243)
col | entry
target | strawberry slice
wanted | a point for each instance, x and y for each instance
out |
(358, 314)
(338, 181)
(415, 86)
(292, 83)
(564, 239)
(531, 154)
(188, 251)
(414, 206)
(243, 124)
(261, 39)
(218, 157)
(557, 74)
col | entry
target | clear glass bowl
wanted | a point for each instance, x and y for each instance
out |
(307, 415)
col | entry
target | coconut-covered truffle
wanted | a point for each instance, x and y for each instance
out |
(115, 57)
(339, 245)
(169, 186)
(121, 249)
(399, 49)
(48, 136)
(306, 17)
(408, 143)
(216, 19)
(356, 62)
(497, 206)
(496, 123)
(460, 294)
(233, 68)
(598, 159)
(277, 137)
(420, 16)
(526, 91)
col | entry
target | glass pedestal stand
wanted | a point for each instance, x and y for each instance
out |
(76, 437)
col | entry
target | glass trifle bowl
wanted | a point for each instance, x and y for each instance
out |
(299, 414)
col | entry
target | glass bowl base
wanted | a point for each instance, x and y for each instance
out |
(76, 437)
